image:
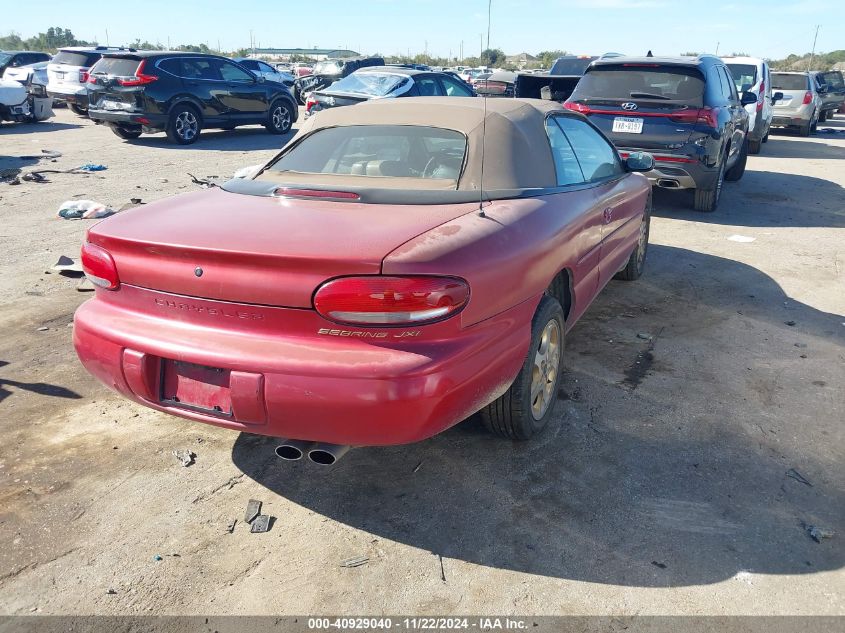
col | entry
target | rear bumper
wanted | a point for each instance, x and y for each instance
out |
(679, 172)
(157, 121)
(297, 384)
(77, 97)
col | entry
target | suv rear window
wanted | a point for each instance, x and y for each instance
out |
(834, 79)
(76, 58)
(658, 83)
(116, 66)
(575, 66)
(784, 81)
(744, 76)
(389, 151)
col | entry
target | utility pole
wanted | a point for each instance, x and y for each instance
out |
(813, 54)
(107, 37)
(489, 13)
(717, 48)
(480, 44)
(462, 52)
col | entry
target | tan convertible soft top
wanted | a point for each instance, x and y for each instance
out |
(517, 152)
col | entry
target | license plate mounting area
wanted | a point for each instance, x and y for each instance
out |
(196, 387)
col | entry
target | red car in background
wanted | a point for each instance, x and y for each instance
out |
(372, 284)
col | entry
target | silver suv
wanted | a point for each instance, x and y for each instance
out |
(67, 74)
(797, 103)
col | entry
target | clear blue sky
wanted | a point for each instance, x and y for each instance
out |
(766, 28)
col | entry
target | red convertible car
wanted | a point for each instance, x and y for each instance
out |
(397, 267)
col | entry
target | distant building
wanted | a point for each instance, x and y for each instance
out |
(520, 61)
(285, 54)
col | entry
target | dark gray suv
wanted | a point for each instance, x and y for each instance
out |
(684, 110)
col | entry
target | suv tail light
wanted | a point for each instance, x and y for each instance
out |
(761, 96)
(808, 97)
(83, 76)
(138, 79)
(577, 107)
(310, 103)
(703, 116)
(99, 266)
(378, 300)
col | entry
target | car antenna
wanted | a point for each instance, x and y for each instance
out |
(481, 180)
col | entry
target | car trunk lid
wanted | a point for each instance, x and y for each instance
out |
(257, 249)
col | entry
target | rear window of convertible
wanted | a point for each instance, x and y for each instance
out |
(386, 151)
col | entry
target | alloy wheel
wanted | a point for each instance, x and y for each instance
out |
(281, 118)
(186, 125)
(545, 370)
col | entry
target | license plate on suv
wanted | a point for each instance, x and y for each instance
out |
(196, 387)
(627, 125)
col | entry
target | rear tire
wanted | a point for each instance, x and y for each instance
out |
(126, 134)
(706, 200)
(517, 415)
(823, 117)
(279, 118)
(736, 172)
(184, 125)
(804, 130)
(754, 147)
(636, 262)
(78, 109)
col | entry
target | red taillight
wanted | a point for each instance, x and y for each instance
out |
(761, 96)
(310, 103)
(703, 116)
(99, 266)
(808, 97)
(92, 79)
(139, 79)
(316, 193)
(577, 107)
(83, 76)
(391, 300)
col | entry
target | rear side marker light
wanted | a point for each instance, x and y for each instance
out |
(99, 267)
(316, 193)
(377, 300)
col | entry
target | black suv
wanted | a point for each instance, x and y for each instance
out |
(182, 93)
(684, 110)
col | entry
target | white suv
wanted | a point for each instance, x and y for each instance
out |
(751, 74)
(67, 74)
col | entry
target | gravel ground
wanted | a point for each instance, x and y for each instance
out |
(699, 431)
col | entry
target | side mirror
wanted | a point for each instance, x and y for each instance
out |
(260, 79)
(639, 161)
(778, 96)
(748, 98)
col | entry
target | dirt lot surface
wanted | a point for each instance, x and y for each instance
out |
(699, 431)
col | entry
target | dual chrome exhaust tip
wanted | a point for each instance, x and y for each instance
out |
(318, 452)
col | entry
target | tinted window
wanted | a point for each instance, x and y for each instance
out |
(661, 83)
(199, 68)
(172, 66)
(248, 63)
(566, 164)
(392, 151)
(834, 79)
(375, 84)
(116, 66)
(4, 57)
(595, 155)
(722, 84)
(428, 86)
(574, 66)
(230, 72)
(76, 58)
(785, 81)
(744, 76)
(265, 68)
(729, 84)
(455, 88)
